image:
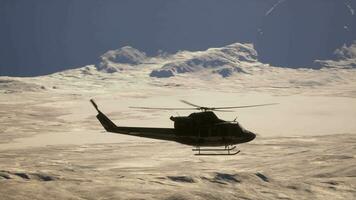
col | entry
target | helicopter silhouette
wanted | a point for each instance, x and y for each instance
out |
(199, 129)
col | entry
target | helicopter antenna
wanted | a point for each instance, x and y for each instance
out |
(235, 119)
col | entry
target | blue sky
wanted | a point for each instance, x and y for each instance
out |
(40, 36)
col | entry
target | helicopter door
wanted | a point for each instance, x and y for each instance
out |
(223, 131)
(210, 132)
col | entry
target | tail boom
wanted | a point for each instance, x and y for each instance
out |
(148, 132)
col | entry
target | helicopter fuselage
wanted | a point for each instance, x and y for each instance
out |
(206, 129)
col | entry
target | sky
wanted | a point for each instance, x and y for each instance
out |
(39, 37)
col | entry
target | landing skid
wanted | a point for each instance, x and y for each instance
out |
(210, 152)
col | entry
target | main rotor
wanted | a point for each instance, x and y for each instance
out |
(204, 108)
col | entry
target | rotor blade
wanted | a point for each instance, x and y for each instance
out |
(223, 110)
(223, 123)
(248, 106)
(191, 104)
(149, 108)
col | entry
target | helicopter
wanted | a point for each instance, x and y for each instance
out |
(203, 129)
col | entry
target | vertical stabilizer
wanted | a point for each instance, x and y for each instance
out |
(103, 119)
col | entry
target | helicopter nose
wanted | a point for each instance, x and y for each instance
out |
(251, 136)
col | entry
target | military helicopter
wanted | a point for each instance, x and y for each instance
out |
(199, 129)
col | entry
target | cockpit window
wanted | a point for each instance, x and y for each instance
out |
(242, 128)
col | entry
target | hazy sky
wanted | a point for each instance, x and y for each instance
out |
(41, 36)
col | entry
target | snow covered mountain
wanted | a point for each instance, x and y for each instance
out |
(344, 57)
(119, 59)
(235, 66)
(224, 61)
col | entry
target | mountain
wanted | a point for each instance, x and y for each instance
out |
(236, 66)
(224, 61)
(344, 57)
(119, 59)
